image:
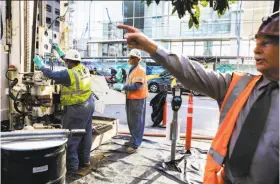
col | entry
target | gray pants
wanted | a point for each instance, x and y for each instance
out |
(79, 116)
(135, 112)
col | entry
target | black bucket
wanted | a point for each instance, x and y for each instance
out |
(33, 162)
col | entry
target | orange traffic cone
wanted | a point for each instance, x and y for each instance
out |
(189, 124)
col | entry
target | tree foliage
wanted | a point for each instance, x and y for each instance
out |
(192, 7)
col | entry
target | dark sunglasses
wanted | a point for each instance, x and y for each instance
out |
(131, 57)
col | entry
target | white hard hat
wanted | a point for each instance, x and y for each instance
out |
(73, 55)
(135, 53)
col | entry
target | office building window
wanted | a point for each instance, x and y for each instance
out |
(48, 20)
(244, 48)
(56, 23)
(176, 47)
(131, 10)
(188, 48)
(225, 50)
(207, 48)
(57, 11)
(199, 48)
(216, 48)
(49, 8)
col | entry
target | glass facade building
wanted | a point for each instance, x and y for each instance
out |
(231, 35)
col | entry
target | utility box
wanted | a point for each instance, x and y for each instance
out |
(108, 128)
(106, 95)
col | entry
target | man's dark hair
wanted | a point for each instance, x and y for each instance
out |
(74, 61)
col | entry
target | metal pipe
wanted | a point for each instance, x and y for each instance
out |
(21, 138)
(64, 132)
(33, 43)
(174, 126)
(26, 35)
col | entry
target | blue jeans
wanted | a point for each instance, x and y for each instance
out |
(79, 116)
(135, 112)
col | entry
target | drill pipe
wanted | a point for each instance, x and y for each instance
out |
(37, 137)
(36, 133)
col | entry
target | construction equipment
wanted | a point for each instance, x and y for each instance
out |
(34, 100)
(34, 142)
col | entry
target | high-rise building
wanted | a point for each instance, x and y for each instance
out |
(217, 37)
(48, 26)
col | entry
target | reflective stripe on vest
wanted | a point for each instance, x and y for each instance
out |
(78, 90)
(219, 159)
(137, 79)
(236, 91)
(237, 94)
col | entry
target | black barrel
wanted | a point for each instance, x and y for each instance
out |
(33, 165)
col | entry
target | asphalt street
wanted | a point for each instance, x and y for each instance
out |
(205, 115)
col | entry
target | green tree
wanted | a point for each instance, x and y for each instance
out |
(192, 7)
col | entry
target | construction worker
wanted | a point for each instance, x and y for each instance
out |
(205, 64)
(174, 81)
(113, 72)
(246, 147)
(136, 89)
(76, 96)
(94, 71)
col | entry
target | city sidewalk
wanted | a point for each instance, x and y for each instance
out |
(150, 164)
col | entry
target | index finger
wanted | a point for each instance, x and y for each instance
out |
(128, 28)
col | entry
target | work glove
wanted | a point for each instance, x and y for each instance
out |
(118, 86)
(119, 76)
(58, 49)
(39, 62)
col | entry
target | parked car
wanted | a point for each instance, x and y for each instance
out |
(162, 74)
(164, 83)
(158, 84)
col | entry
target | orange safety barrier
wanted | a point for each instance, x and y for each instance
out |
(189, 123)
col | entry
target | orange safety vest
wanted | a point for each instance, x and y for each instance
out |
(138, 74)
(237, 94)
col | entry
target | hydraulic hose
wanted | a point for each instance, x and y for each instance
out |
(13, 83)
(163, 135)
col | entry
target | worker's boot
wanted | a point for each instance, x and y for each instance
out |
(127, 143)
(84, 165)
(131, 150)
(81, 171)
